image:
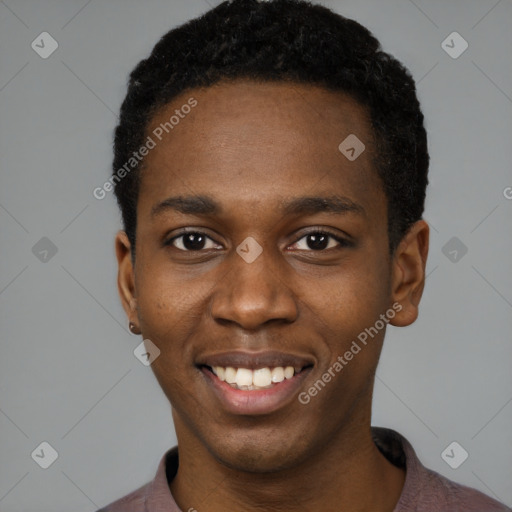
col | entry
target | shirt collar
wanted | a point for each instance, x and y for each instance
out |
(393, 446)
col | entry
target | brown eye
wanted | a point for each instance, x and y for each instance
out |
(320, 241)
(191, 241)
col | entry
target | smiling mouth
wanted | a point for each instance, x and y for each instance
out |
(246, 379)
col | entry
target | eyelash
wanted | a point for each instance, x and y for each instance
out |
(342, 241)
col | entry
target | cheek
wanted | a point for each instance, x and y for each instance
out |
(168, 300)
(163, 313)
(349, 314)
(356, 296)
(172, 308)
(168, 319)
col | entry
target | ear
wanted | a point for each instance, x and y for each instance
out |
(408, 273)
(126, 277)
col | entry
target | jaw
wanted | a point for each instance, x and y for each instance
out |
(284, 440)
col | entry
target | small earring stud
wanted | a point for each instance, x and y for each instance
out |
(132, 327)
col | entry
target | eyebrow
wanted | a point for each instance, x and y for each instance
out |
(306, 205)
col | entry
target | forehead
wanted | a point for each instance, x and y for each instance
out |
(255, 142)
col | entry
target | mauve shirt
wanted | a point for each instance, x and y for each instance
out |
(424, 490)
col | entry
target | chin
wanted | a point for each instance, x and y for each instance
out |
(253, 461)
(259, 454)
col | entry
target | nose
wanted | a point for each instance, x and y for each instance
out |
(254, 294)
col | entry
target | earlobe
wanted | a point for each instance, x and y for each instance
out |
(408, 275)
(126, 277)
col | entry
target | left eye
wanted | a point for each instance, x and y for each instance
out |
(320, 240)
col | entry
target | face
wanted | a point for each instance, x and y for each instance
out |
(261, 246)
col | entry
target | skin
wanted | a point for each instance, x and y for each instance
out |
(252, 147)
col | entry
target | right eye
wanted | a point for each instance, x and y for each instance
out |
(191, 241)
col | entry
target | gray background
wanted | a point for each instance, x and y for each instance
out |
(68, 375)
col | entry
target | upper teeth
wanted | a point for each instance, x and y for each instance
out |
(245, 378)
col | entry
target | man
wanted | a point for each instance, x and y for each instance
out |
(271, 166)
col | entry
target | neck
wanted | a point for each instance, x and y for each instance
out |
(348, 473)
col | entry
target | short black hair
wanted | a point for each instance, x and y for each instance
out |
(277, 41)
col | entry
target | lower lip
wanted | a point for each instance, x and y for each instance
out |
(255, 402)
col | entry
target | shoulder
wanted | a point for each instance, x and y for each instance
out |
(154, 495)
(426, 490)
(444, 494)
(133, 502)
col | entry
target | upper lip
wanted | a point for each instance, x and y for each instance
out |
(254, 360)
